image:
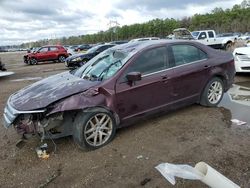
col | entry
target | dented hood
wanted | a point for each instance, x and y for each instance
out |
(42, 93)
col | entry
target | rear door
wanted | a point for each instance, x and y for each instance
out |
(153, 91)
(191, 70)
(53, 53)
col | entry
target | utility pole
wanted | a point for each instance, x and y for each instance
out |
(113, 24)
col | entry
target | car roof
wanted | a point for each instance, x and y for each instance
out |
(51, 46)
(139, 45)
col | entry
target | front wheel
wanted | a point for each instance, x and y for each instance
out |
(61, 58)
(213, 93)
(33, 61)
(93, 130)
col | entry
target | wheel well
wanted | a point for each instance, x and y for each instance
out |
(103, 109)
(215, 76)
(61, 55)
(223, 79)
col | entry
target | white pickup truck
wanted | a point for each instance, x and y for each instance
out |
(208, 37)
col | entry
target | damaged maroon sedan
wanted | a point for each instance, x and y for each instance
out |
(118, 86)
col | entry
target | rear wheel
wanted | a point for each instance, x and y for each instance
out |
(93, 130)
(61, 58)
(229, 46)
(212, 93)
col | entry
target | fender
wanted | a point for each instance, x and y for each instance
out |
(77, 102)
(85, 103)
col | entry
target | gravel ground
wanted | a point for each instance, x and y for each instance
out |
(185, 136)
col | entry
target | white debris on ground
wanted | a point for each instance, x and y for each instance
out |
(202, 171)
(238, 122)
(2, 74)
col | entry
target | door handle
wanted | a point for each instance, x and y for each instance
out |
(164, 77)
(206, 66)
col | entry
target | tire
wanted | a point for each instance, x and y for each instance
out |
(33, 61)
(213, 93)
(228, 46)
(90, 134)
(61, 58)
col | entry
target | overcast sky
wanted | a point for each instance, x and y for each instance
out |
(30, 20)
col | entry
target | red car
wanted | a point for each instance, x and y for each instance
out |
(117, 87)
(46, 53)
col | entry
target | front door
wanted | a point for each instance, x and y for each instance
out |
(42, 54)
(154, 90)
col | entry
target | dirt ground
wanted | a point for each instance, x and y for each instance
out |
(185, 136)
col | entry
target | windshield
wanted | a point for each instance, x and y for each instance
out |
(195, 34)
(93, 49)
(102, 66)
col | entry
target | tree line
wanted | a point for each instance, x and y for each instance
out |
(236, 19)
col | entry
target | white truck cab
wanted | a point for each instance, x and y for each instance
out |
(208, 37)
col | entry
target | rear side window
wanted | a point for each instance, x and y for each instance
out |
(150, 61)
(184, 54)
(210, 34)
(53, 48)
(103, 48)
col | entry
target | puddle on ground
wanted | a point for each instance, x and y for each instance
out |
(27, 79)
(237, 101)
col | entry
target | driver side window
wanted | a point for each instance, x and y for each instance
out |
(150, 61)
(43, 50)
(203, 35)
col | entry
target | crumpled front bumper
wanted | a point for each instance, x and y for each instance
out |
(10, 114)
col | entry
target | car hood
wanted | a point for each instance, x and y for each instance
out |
(242, 50)
(42, 93)
(76, 56)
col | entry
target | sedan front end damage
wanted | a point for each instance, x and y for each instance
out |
(37, 122)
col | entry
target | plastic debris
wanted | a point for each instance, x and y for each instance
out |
(139, 157)
(201, 171)
(42, 151)
(170, 171)
(238, 122)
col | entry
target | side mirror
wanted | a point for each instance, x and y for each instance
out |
(202, 37)
(133, 76)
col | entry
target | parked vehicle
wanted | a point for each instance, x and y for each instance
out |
(209, 38)
(144, 39)
(119, 86)
(46, 53)
(242, 59)
(3, 70)
(246, 36)
(181, 33)
(78, 60)
(32, 49)
(83, 47)
(70, 50)
(2, 66)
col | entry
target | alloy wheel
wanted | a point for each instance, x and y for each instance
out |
(215, 92)
(98, 129)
